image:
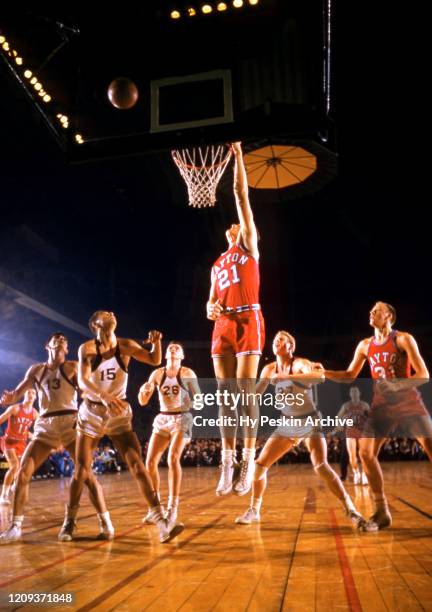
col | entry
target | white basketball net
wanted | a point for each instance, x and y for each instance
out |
(202, 169)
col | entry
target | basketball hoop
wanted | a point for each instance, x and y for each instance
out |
(202, 169)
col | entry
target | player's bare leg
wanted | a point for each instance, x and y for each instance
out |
(247, 369)
(85, 445)
(34, 455)
(317, 448)
(352, 453)
(274, 449)
(97, 499)
(128, 445)
(225, 370)
(369, 449)
(157, 446)
(178, 442)
(13, 463)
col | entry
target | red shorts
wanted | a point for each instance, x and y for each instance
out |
(12, 444)
(238, 333)
(403, 414)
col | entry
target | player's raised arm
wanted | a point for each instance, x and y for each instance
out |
(265, 379)
(141, 354)
(244, 210)
(354, 368)
(147, 389)
(11, 411)
(11, 397)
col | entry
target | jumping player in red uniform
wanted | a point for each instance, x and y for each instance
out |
(396, 404)
(238, 335)
(20, 418)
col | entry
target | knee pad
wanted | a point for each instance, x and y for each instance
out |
(260, 472)
(325, 471)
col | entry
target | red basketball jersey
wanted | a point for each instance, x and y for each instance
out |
(386, 360)
(237, 278)
(19, 425)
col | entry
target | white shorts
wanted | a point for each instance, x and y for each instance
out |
(56, 430)
(94, 420)
(301, 429)
(169, 424)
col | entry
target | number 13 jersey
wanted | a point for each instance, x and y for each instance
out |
(236, 277)
(109, 375)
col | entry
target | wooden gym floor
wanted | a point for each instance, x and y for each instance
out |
(303, 556)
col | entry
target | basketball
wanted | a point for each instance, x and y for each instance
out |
(122, 93)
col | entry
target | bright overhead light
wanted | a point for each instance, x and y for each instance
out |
(5, 46)
(253, 2)
(191, 11)
(221, 6)
(37, 86)
(2, 40)
(33, 81)
(206, 8)
(19, 61)
(64, 119)
(238, 3)
(28, 74)
(46, 98)
(175, 15)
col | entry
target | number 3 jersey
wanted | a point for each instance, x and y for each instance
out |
(56, 392)
(236, 276)
(109, 375)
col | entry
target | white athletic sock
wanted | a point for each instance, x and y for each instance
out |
(227, 457)
(173, 502)
(248, 454)
(256, 503)
(18, 519)
(104, 516)
(348, 504)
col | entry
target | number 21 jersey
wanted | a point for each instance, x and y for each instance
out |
(236, 277)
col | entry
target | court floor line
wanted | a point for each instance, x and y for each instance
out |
(72, 555)
(348, 579)
(137, 573)
(285, 586)
(410, 505)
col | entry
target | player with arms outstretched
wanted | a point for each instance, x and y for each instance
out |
(293, 378)
(397, 368)
(102, 378)
(238, 334)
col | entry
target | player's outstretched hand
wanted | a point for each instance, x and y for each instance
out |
(7, 397)
(236, 148)
(153, 336)
(147, 388)
(115, 405)
(214, 310)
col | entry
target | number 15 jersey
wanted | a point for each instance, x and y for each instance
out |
(109, 375)
(236, 277)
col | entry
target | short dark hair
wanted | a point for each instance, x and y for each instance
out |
(392, 311)
(92, 320)
(56, 335)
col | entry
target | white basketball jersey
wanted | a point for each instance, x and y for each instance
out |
(296, 397)
(109, 375)
(173, 395)
(55, 391)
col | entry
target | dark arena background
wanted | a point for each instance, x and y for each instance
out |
(95, 215)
